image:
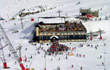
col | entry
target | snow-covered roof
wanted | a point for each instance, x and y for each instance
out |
(54, 36)
(51, 20)
(56, 19)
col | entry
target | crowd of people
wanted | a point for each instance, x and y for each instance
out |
(56, 49)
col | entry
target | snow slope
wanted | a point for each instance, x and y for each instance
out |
(9, 8)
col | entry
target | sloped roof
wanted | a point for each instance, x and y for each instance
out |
(1, 18)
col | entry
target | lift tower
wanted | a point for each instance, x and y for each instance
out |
(6, 41)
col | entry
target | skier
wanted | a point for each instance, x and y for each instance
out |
(81, 45)
(25, 49)
(91, 45)
(72, 66)
(47, 44)
(51, 59)
(14, 23)
(95, 47)
(83, 55)
(66, 57)
(58, 68)
(72, 49)
(59, 58)
(15, 62)
(70, 43)
(100, 56)
(79, 55)
(104, 44)
(31, 56)
(103, 63)
(88, 45)
(26, 65)
(38, 52)
(25, 59)
(55, 53)
(9, 54)
(41, 48)
(45, 69)
(81, 68)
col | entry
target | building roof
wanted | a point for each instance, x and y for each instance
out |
(1, 18)
(51, 19)
(59, 24)
(59, 27)
(55, 20)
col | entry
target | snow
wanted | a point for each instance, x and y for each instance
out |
(52, 20)
(92, 60)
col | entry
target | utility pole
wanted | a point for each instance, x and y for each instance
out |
(66, 14)
(59, 12)
(19, 49)
(100, 32)
(45, 61)
(22, 22)
(104, 58)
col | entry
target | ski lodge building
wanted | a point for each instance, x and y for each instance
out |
(66, 31)
(85, 12)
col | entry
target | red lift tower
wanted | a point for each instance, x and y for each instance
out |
(6, 41)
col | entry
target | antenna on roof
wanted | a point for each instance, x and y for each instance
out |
(59, 12)
(66, 14)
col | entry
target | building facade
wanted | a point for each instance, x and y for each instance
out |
(67, 32)
(89, 12)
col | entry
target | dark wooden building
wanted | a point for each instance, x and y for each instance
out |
(66, 32)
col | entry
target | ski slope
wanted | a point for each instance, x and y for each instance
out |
(9, 8)
(92, 60)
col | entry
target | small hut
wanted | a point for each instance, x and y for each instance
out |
(85, 12)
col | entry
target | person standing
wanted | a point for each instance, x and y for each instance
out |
(66, 57)
(83, 55)
(81, 68)
(72, 66)
(58, 68)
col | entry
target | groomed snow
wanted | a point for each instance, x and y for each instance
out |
(92, 61)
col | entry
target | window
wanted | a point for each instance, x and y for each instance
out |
(73, 36)
(61, 37)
